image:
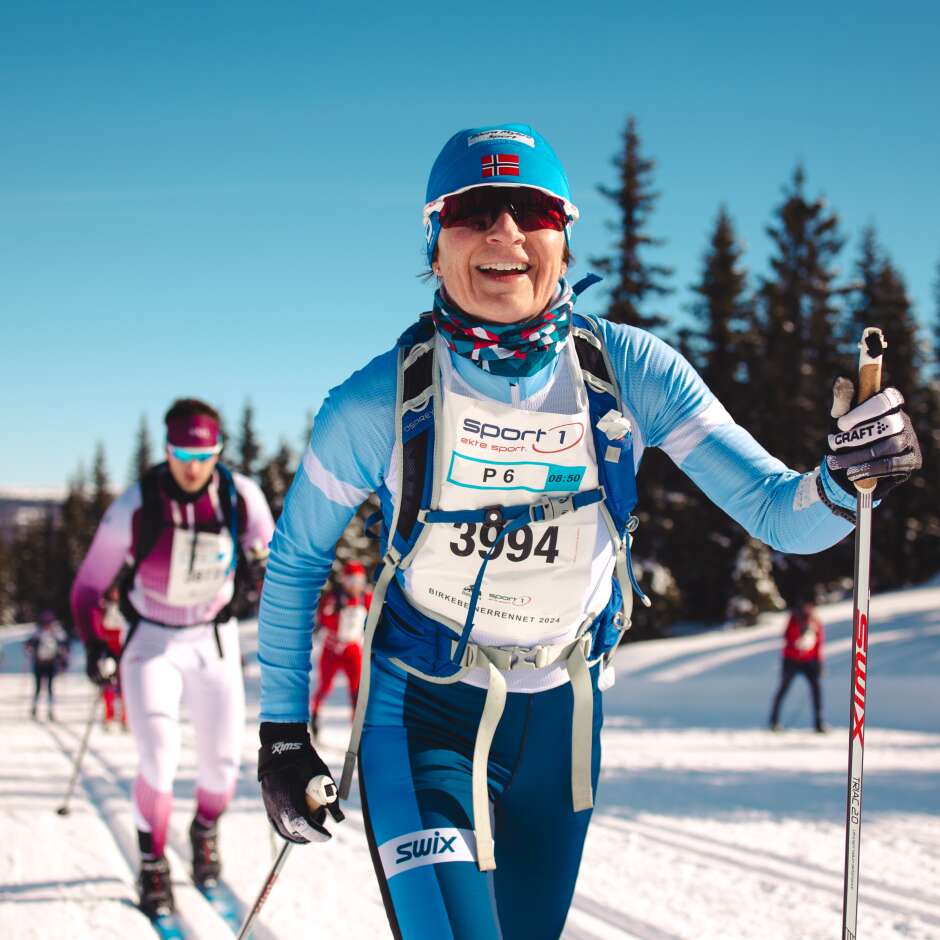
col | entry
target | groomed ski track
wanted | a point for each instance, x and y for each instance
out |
(707, 826)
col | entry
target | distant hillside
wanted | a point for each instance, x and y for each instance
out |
(21, 505)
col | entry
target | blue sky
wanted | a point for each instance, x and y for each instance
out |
(224, 200)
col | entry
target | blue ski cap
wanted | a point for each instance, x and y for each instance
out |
(498, 155)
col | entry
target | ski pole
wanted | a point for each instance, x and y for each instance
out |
(797, 713)
(871, 349)
(106, 670)
(320, 791)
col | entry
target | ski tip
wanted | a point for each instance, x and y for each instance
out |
(168, 927)
(224, 903)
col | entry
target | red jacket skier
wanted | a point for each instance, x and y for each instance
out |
(108, 622)
(341, 618)
(803, 638)
(802, 653)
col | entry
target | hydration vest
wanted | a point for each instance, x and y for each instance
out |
(422, 645)
(151, 526)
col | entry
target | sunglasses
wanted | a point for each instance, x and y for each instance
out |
(187, 455)
(479, 208)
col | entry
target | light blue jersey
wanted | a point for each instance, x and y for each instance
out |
(350, 456)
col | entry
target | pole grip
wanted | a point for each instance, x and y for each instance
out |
(320, 792)
(870, 352)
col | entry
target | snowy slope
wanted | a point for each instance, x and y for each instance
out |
(707, 825)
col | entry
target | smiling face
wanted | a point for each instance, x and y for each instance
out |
(502, 274)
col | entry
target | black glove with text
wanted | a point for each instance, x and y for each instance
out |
(100, 665)
(287, 763)
(873, 440)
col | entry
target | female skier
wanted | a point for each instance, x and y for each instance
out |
(502, 434)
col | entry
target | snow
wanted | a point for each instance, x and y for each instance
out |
(707, 825)
(33, 493)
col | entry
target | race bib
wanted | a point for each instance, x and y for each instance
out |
(199, 567)
(47, 649)
(541, 579)
(352, 623)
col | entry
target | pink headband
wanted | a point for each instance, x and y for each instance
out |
(198, 431)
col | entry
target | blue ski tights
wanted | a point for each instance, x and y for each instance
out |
(415, 780)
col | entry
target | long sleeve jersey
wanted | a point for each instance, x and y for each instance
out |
(116, 538)
(350, 456)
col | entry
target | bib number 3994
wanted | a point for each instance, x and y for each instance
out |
(519, 545)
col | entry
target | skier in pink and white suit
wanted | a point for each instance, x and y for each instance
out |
(181, 645)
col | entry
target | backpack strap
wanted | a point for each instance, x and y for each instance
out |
(414, 429)
(148, 533)
(228, 498)
(415, 419)
(613, 444)
(151, 518)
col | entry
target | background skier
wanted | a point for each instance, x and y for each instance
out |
(183, 524)
(48, 651)
(108, 622)
(341, 620)
(802, 655)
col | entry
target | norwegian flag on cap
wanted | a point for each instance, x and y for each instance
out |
(500, 164)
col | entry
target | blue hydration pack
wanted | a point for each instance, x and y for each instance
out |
(431, 650)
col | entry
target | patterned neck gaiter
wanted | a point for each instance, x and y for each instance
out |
(510, 349)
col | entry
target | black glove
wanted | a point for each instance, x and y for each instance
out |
(874, 440)
(287, 762)
(100, 666)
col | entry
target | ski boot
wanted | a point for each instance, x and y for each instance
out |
(207, 866)
(156, 893)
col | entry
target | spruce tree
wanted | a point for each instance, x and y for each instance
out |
(724, 315)
(796, 355)
(101, 495)
(704, 558)
(142, 459)
(907, 548)
(753, 589)
(78, 523)
(77, 527)
(249, 449)
(40, 573)
(7, 584)
(633, 279)
(936, 324)
(228, 442)
(797, 338)
(633, 283)
(275, 478)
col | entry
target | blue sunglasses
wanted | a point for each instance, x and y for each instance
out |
(186, 455)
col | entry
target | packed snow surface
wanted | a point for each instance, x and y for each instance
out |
(707, 825)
